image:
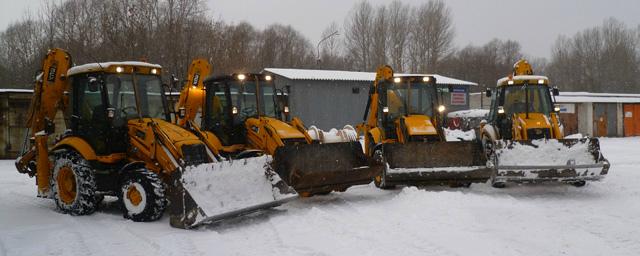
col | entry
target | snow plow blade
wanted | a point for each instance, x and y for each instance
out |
(209, 193)
(322, 168)
(435, 163)
(567, 160)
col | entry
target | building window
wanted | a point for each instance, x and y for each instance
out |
(355, 90)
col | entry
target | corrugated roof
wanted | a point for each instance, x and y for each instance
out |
(579, 97)
(340, 75)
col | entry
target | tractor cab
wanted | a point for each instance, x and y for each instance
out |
(524, 102)
(237, 106)
(105, 96)
(408, 107)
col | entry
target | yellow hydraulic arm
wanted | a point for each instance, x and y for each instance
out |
(383, 73)
(49, 96)
(192, 94)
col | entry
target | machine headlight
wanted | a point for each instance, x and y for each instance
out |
(556, 108)
(286, 109)
(119, 69)
(385, 109)
(154, 71)
(268, 78)
(541, 81)
(500, 110)
(441, 108)
(510, 82)
(397, 80)
(234, 110)
(241, 77)
(426, 79)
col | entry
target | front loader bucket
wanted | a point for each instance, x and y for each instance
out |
(211, 192)
(568, 160)
(435, 163)
(322, 168)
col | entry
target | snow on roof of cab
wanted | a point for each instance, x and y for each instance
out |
(9, 90)
(340, 75)
(91, 67)
(526, 77)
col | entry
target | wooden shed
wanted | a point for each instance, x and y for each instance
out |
(14, 104)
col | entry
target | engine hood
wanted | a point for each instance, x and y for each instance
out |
(419, 125)
(284, 130)
(535, 121)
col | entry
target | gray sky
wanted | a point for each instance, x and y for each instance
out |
(534, 23)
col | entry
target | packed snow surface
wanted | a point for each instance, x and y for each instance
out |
(601, 218)
(231, 185)
(545, 152)
(458, 135)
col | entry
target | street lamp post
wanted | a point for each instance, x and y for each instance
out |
(335, 33)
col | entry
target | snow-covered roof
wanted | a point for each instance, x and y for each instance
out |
(520, 78)
(104, 65)
(16, 90)
(340, 75)
(579, 97)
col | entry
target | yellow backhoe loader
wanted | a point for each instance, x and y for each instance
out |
(242, 117)
(117, 142)
(523, 135)
(403, 130)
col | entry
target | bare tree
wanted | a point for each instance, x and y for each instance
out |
(398, 33)
(358, 35)
(432, 36)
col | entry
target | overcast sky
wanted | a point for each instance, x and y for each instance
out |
(534, 23)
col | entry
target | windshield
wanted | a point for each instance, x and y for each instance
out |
(516, 99)
(120, 88)
(243, 97)
(410, 98)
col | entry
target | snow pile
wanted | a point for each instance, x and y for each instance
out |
(600, 218)
(458, 135)
(574, 136)
(232, 185)
(470, 113)
(545, 152)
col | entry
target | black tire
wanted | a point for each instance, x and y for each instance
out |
(149, 203)
(578, 184)
(73, 184)
(378, 156)
(498, 184)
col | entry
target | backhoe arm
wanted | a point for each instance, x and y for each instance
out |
(371, 113)
(192, 94)
(49, 96)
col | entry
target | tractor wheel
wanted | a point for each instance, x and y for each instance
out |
(578, 184)
(73, 184)
(379, 180)
(142, 196)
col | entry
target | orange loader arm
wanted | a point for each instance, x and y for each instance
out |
(49, 96)
(192, 94)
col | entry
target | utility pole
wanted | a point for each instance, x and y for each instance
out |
(335, 33)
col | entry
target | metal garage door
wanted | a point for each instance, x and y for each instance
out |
(605, 122)
(631, 119)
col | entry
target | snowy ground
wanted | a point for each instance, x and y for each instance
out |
(602, 218)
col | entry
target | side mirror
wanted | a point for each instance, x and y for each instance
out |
(556, 92)
(487, 92)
